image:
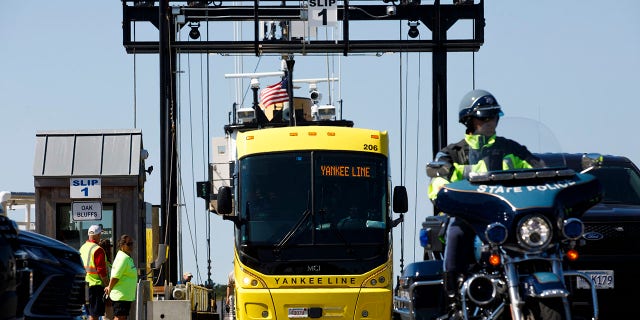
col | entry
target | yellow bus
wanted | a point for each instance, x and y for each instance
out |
(312, 213)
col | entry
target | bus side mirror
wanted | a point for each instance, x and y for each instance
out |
(225, 206)
(400, 200)
(224, 200)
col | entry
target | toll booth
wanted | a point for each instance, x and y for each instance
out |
(91, 177)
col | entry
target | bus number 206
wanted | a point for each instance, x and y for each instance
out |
(370, 147)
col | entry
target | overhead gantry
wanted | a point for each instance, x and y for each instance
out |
(282, 27)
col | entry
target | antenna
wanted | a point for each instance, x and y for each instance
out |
(255, 76)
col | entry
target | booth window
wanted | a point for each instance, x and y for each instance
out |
(74, 232)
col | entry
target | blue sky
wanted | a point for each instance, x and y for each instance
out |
(573, 65)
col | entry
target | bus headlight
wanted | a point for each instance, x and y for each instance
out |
(250, 281)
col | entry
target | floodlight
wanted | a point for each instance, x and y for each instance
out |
(315, 95)
(413, 29)
(194, 33)
(246, 115)
(327, 112)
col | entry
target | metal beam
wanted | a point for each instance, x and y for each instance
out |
(433, 16)
(277, 47)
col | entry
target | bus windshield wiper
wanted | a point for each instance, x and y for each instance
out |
(305, 215)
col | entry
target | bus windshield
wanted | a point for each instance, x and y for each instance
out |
(313, 207)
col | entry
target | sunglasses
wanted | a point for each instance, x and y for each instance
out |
(130, 243)
(486, 119)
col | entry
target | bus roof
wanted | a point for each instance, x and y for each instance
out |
(312, 138)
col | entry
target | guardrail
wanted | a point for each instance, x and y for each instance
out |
(199, 297)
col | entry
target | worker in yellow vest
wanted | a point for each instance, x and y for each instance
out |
(95, 264)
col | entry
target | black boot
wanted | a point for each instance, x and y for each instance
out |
(450, 284)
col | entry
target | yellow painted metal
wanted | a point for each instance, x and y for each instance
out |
(363, 296)
(312, 138)
(149, 236)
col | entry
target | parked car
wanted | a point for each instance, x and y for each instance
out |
(610, 249)
(419, 294)
(8, 241)
(44, 277)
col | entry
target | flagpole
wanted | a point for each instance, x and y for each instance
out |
(261, 118)
(289, 73)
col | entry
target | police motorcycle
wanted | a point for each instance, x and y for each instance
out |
(527, 224)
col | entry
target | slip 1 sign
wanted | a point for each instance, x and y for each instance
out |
(85, 188)
(323, 13)
(86, 211)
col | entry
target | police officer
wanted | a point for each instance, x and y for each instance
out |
(481, 150)
(95, 264)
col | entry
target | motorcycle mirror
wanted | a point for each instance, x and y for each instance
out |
(590, 161)
(438, 169)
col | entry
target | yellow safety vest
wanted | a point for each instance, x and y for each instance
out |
(512, 157)
(87, 251)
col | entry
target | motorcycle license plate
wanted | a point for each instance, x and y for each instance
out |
(298, 313)
(602, 279)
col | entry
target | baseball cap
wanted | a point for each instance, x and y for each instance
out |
(95, 229)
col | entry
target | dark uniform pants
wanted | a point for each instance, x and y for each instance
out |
(458, 252)
(96, 301)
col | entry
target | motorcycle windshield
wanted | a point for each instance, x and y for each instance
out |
(500, 185)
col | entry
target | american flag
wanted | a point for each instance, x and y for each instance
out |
(275, 93)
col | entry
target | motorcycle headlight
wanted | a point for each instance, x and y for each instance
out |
(496, 233)
(534, 232)
(572, 228)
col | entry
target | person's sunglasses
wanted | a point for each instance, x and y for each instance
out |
(487, 119)
(130, 243)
